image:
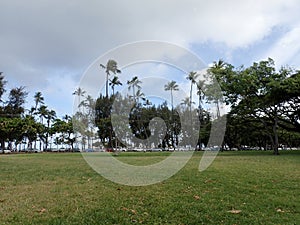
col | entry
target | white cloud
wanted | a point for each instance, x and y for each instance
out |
(287, 49)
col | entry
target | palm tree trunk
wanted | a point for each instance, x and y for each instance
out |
(106, 84)
(200, 118)
(191, 93)
(172, 122)
(133, 93)
(172, 100)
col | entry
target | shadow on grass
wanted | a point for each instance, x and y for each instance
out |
(259, 153)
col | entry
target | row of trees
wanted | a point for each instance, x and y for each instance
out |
(264, 107)
(34, 128)
(265, 104)
(264, 112)
(137, 112)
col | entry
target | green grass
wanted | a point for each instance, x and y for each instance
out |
(63, 189)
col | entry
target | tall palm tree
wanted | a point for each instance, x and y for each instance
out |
(200, 86)
(216, 96)
(133, 84)
(90, 104)
(50, 116)
(186, 102)
(140, 95)
(42, 112)
(80, 93)
(192, 76)
(220, 64)
(111, 66)
(171, 86)
(38, 99)
(113, 82)
(83, 104)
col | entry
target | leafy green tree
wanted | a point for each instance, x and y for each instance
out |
(287, 98)
(13, 132)
(103, 119)
(212, 91)
(64, 130)
(15, 103)
(256, 92)
(31, 129)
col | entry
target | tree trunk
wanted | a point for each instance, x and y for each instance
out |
(275, 132)
(200, 118)
(106, 84)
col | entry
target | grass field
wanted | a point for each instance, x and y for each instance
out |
(238, 188)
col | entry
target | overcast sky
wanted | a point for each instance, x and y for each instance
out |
(47, 45)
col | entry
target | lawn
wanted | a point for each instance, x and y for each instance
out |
(238, 188)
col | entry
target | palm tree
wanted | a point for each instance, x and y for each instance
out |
(90, 104)
(50, 116)
(80, 93)
(113, 82)
(140, 95)
(192, 76)
(42, 111)
(186, 101)
(171, 86)
(83, 104)
(147, 102)
(200, 93)
(132, 84)
(219, 65)
(38, 99)
(212, 89)
(111, 66)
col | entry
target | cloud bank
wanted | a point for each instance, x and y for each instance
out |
(44, 39)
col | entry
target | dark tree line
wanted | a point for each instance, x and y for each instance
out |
(33, 128)
(139, 123)
(264, 108)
